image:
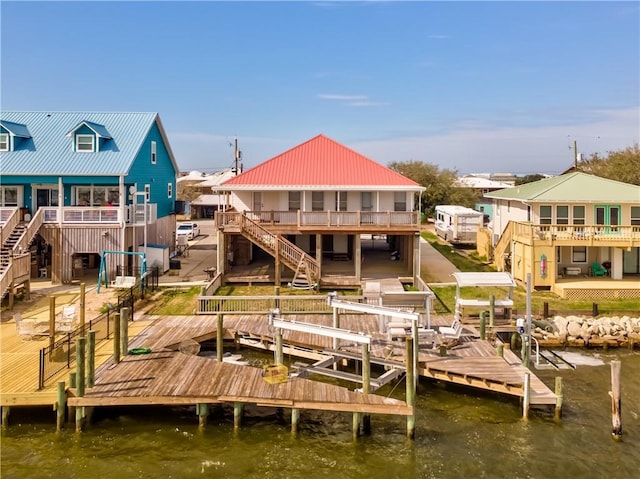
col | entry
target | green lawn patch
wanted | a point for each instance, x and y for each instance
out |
(461, 260)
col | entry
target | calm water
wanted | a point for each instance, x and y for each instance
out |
(460, 434)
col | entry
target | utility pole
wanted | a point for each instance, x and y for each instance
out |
(237, 157)
(575, 154)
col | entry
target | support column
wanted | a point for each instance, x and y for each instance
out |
(527, 395)
(116, 338)
(61, 405)
(366, 385)
(82, 307)
(52, 321)
(559, 398)
(219, 338)
(5, 416)
(238, 409)
(221, 254)
(295, 418)
(91, 358)
(357, 246)
(277, 271)
(125, 314)
(319, 254)
(410, 385)
(356, 425)
(202, 410)
(279, 357)
(80, 379)
(416, 258)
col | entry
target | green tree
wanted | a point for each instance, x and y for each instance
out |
(622, 165)
(529, 179)
(439, 183)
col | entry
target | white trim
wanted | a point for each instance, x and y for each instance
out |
(77, 138)
(7, 141)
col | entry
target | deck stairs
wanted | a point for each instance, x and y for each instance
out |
(17, 240)
(502, 249)
(306, 268)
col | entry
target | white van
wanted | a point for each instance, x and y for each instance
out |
(458, 224)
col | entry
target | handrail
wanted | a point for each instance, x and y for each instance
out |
(9, 217)
(27, 236)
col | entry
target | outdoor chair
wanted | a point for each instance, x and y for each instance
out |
(66, 319)
(597, 269)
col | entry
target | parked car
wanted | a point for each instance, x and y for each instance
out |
(190, 230)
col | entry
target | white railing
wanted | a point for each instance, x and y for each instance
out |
(99, 214)
(9, 218)
(586, 233)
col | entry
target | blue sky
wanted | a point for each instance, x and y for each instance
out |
(473, 86)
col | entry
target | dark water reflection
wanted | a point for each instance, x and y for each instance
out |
(460, 434)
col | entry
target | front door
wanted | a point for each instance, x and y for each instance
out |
(46, 197)
(608, 216)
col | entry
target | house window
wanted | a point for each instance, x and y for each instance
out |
(85, 143)
(635, 215)
(341, 201)
(562, 215)
(294, 200)
(9, 196)
(579, 254)
(97, 196)
(545, 215)
(147, 190)
(366, 201)
(153, 153)
(169, 190)
(4, 142)
(317, 201)
(399, 201)
(578, 215)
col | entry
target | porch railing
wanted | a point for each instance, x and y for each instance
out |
(585, 233)
(333, 219)
(9, 218)
(100, 214)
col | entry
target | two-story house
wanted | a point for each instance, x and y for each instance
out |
(75, 184)
(569, 231)
(320, 209)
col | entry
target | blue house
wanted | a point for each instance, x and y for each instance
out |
(73, 184)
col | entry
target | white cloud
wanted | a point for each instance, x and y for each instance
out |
(333, 96)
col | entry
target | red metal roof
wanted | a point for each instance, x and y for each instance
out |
(321, 161)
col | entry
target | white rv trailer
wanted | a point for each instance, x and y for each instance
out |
(458, 224)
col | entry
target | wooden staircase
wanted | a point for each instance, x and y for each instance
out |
(503, 247)
(306, 268)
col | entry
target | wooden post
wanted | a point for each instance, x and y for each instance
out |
(411, 388)
(616, 399)
(483, 326)
(61, 405)
(527, 395)
(545, 310)
(52, 321)
(492, 309)
(219, 338)
(356, 425)
(279, 357)
(116, 338)
(91, 358)
(501, 350)
(295, 418)
(514, 341)
(125, 314)
(366, 385)
(80, 372)
(82, 307)
(336, 324)
(202, 410)
(72, 380)
(238, 408)
(559, 397)
(5, 416)
(594, 309)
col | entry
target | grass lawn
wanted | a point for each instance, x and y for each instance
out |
(463, 262)
(176, 301)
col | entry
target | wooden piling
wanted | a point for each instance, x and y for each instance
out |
(366, 385)
(295, 418)
(501, 350)
(483, 326)
(279, 356)
(72, 379)
(545, 310)
(594, 309)
(61, 405)
(526, 398)
(202, 410)
(116, 338)
(82, 307)
(125, 314)
(559, 397)
(356, 425)
(80, 379)
(411, 389)
(91, 358)
(238, 409)
(616, 399)
(6, 410)
(492, 309)
(219, 338)
(52, 321)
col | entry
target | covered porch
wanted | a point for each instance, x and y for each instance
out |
(600, 287)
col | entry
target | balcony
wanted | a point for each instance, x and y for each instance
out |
(319, 221)
(575, 235)
(99, 215)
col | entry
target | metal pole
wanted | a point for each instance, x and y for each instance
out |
(528, 325)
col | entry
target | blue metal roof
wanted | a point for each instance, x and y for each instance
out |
(16, 128)
(50, 151)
